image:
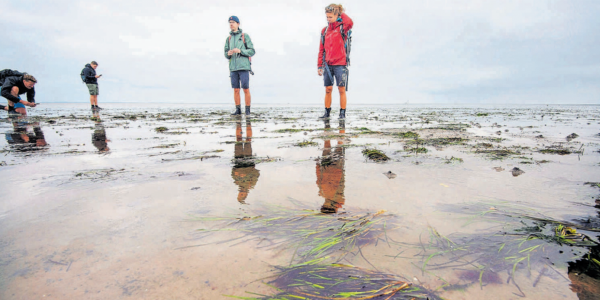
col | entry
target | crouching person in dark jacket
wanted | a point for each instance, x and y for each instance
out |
(12, 87)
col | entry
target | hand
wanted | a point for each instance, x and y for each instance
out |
(230, 52)
(30, 104)
(236, 50)
(98, 76)
(320, 71)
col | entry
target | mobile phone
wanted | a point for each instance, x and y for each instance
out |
(100, 75)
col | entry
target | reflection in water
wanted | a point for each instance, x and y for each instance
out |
(99, 138)
(25, 136)
(244, 172)
(330, 173)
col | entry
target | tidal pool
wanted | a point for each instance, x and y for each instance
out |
(395, 202)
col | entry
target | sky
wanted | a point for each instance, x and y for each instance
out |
(410, 51)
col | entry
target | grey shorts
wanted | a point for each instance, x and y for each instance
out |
(93, 89)
(338, 72)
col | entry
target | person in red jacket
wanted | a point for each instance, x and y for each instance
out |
(333, 51)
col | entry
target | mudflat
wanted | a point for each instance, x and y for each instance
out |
(395, 202)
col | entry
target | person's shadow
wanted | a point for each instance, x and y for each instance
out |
(99, 139)
(331, 174)
(26, 136)
(244, 172)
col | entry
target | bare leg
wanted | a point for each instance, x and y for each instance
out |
(342, 97)
(328, 90)
(92, 100)
(236, 96)
(246, 97)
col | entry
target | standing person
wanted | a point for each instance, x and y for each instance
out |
(88, 74)
(239, 49)
(332, 55)
(13, 86)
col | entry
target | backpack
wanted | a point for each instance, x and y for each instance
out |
(246, 45)
(7, 72)
(83, 75)
(346, 37)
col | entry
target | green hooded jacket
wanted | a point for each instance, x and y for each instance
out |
(239, 61)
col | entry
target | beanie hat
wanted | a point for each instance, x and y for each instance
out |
(234, 18)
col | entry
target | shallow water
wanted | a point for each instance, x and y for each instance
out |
(101, 206)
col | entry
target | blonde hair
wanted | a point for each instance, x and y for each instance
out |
(336, 9)
(29, 78)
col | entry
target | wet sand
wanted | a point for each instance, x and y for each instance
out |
(105, 206)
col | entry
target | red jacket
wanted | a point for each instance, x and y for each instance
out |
(335, 52)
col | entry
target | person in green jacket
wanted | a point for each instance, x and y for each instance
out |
(239, 49)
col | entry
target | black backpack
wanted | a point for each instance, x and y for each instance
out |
(7, 72)
(82, 75)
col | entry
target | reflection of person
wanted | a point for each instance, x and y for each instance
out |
(13, 86)
(330, 174)
(22, 136)
(91, 81)
(239, 49)
(244, 172)
(332, 54)
(99, 136)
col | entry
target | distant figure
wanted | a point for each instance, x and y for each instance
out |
(99, 139)
(330, 174)
(88, 75)
(15, 83)
(244, 172)
(332, 56)
(239, 49)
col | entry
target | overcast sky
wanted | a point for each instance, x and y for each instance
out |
(444, 51)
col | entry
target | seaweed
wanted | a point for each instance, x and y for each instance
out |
(375, 155)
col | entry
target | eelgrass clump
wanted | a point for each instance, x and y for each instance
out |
(408, 135)
(306, 143)
(312, 235)
(161, 129)
(556, 151)
(375, 155)
(534, 245)
(341, 281)
(482, 114)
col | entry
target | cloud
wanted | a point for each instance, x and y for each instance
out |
(416, 51)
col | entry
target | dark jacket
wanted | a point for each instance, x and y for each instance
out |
(90, 75)
(10, 82)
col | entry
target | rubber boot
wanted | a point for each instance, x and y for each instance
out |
(327, 112)
(238, 111)
(342, 113)
(247, 110)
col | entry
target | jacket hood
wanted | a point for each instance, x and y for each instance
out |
(88, 66)
(238, 31)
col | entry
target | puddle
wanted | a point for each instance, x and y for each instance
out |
(396, 202)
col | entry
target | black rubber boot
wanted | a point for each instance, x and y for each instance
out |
(247, 110)
(342, 113)
(327, 112)
(93, 107)
(238, 111)
(98, 107)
